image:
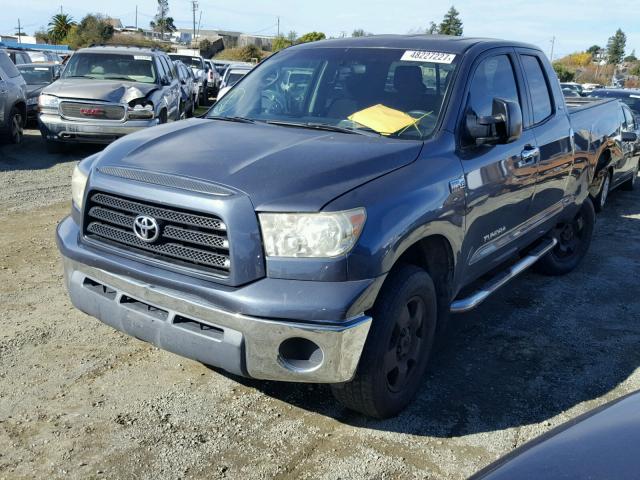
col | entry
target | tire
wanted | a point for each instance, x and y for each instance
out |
(15, 127)
(631, 183)
(574, 238)
(163, 117)
(600, 200)
(182, 114)
(400, 339)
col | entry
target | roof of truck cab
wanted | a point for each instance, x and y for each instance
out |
(437, 43)
(117, 49)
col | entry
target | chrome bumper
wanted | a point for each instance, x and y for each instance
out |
(58, 128)
(192, 328)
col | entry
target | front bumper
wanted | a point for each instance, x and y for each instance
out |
(56, 128)
(191, 326)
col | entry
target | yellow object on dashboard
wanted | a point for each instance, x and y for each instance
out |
(383, 120)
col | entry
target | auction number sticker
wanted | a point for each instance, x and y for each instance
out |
(423, 56)
(142, 57)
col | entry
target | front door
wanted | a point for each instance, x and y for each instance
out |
(500, 179)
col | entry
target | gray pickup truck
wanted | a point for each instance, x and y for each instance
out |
(13, 101)
(325, 231)
(106, 92)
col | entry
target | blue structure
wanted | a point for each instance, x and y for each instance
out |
(33, 46)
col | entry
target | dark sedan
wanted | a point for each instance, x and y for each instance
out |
(37, 76)
(630, 96)
(602, 443)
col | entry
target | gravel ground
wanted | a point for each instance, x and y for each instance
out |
(80, 400)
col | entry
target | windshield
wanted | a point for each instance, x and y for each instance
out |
(112, 66)
(193, 62)
(36, 75)
(234, 76)
(360, 89)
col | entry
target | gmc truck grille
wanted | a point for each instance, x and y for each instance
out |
(191, 239)
(92, 111)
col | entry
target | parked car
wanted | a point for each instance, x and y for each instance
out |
(327, 236)
(221, 66)
(43, 56)
(213, 79)
(18, 57)
(600, 444)
(232, 75)
(570, 93)
(200, 71)
(575, 87)
(630, 96)
(13, 101)
(106, 92)
(590, 87)
(617, 166)
(37, 76)
(188, 89)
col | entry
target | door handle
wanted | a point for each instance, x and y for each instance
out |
(528, 156)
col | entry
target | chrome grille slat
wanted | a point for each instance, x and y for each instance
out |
(111, 112)
(170, 249)
(158, 212)
(198, 240)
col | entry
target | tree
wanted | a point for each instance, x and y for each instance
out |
(615, 47)
(564, 74)
(59, 27)
(92, 29)
(279, 43)
(594, 50)
(292, 37)
(432, 29)
(163, 22)
(358, 32)
(451, 23)
(250, 53)
(41, 36)
(311, 37)
(632, 57)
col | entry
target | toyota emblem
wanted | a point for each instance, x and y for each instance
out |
(146, 228)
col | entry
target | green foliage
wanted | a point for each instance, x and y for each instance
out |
(163, 22)
(632, 57)
(59, 27)
(594, 49)
(635, 70)
(564, 74)
(92, 29)
(279, 43)
(41, 36)
(248, 53)
(615, 47)
(359, 32)
(311, 37)
(432, 29)
(137, 41)
(451, 23)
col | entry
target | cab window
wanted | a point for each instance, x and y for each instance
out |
(493, 78)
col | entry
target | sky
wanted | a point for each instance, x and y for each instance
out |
(576, 25)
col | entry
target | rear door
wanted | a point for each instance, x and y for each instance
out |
(550, 125)
(500, 179)
(631, 149)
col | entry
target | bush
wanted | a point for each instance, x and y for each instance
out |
(248, 53)
(92, 29)
(137, 41)
(564, 74)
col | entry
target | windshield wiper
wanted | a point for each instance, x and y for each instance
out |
(117, 77)
(321, 126)
(79, 76)
(232, 119)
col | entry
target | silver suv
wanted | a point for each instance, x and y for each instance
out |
(13, 104)
(107, 92)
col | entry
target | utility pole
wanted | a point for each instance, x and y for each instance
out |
(136, 17)
(19, 32)
(60, 9)
(278, 26)
(194, 7)
(199, 23)
(553, 42)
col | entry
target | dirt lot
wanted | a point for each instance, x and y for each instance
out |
(79, 400)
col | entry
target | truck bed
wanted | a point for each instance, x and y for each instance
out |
(578, 104)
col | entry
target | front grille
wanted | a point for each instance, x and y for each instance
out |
(188, 238)
(92, 111)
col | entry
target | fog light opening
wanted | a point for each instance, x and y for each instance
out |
(300, 355)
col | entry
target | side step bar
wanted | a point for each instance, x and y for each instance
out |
(469, 303)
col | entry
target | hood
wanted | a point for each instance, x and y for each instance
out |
(279, 168)
(115, 91)
(33, 90)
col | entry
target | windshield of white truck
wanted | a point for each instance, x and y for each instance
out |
(111, 66)
(392, 92)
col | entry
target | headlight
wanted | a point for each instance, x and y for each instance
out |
(140, 109)
(48, 102)
(311, 234)
(78, 184)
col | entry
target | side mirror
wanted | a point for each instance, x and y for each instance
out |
(504, 125)
(629, 137)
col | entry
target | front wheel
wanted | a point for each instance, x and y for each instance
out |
(574, 238)
(601, 199)
(397, 350)
(15, 126)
